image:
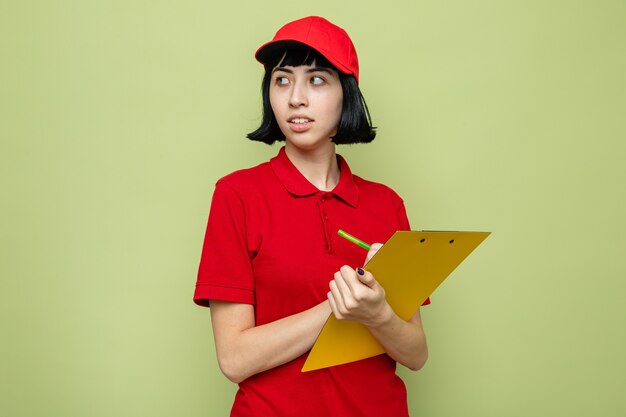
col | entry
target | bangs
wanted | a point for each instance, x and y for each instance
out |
(296, 54)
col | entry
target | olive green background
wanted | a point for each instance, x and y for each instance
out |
(117, 117)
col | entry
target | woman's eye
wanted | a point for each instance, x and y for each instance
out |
(282, 80)
(317, 80)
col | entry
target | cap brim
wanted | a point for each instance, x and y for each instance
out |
(270, 49)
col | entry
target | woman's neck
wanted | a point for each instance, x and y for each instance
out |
(319, 166)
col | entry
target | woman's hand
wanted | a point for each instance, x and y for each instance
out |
(356, 295)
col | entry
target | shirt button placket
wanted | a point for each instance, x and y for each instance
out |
(323, 204)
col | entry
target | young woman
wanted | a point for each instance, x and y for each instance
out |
(273, 268)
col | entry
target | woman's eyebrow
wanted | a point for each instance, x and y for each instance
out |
(309, 70)
(284, 69)
(319, 69)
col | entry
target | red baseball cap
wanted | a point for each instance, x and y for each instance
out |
(318, 33)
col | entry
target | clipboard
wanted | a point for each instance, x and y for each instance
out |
(409, 266)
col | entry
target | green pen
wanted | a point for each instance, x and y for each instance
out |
(353, 239)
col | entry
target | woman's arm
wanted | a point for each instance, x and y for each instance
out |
(404, 341)
(244, 349)
(356, 295)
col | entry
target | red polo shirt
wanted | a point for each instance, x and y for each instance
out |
(272, 241)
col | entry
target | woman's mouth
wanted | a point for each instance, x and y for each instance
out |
(300, 124)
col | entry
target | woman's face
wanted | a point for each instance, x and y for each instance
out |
(307, 102)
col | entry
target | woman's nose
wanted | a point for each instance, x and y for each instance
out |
(298, 95)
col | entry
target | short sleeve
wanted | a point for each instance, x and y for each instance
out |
(225, 271)
(403, 220)
(404, 225)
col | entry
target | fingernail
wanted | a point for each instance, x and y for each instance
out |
(360, 271)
